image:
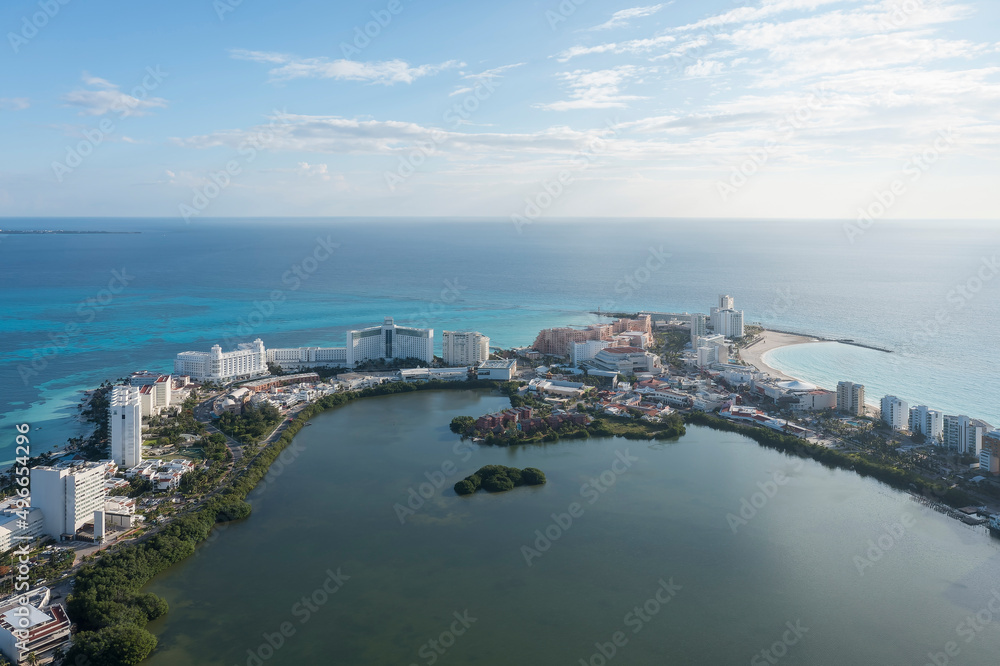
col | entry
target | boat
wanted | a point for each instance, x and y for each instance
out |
(308, 423)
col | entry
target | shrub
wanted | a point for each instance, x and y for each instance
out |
(532, 476)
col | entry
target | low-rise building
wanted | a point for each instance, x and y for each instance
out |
(308, 357)
(498, 369)
(35, 627)
(558, 388)
(626, 360)
(120, 512)
(17, 528)
(816, 400)
(435, 374)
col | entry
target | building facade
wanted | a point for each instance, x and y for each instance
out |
(964, 434)
(895, 412)
(928, 422)
(580, 352)
(499, 369)
(626, 360)
(14, 530)
(125, 411)
(249, 360)
(388, 342)
(728, 323)
(67, 496)
(699, 328)
(556, 341)
(29, 626)
(464, 348)
(989, 456)
(307, 357)
(851, 398)
(161, 387)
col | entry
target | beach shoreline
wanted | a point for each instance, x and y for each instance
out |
(756, 353)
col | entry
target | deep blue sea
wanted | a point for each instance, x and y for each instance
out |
(78, 309)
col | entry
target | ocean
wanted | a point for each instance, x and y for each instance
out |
(79, 309)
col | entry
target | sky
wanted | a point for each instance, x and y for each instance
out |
(529, 109)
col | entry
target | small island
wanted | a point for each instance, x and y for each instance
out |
(497, 479)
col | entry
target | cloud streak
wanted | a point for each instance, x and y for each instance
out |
(286, 67)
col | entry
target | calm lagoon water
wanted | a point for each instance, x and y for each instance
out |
(664, 518)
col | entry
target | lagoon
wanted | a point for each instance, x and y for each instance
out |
(662, 562)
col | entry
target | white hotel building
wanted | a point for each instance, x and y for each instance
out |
(469, 348)
(929, 422)
(247, 361)
(895, 412)
(389, 341)
(580, 352)
(126, 426)
(307, 357)
(964, 434)
(250, 360)
(68, 497)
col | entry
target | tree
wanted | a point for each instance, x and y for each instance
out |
(462, 424)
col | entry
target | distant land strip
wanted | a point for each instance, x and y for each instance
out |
(61, 231)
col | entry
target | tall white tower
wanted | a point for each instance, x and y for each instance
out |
(126, 426)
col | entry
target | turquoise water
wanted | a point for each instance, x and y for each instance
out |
(62, 329)
(918, 382)
(666, 516)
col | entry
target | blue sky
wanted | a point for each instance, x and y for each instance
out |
(763, 108)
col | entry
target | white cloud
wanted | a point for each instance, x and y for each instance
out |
(104, 97)
(321, 171)
(632, 47)
(14, 103)
(596, 89)
(622, 18)
(386, 72)
(704, 68)
(340, 136)
(486, 77)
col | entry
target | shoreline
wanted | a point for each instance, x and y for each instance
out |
(756, 354)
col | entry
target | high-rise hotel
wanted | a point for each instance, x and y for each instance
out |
(464, 348)
(851, 398)
(125, 411)
(249, 360)
(389, 341)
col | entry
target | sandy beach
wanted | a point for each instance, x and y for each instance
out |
(773, 340)
(770, 340)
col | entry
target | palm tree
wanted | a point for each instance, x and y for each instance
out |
(32, 659)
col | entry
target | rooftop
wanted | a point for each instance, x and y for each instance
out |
(499, 364)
